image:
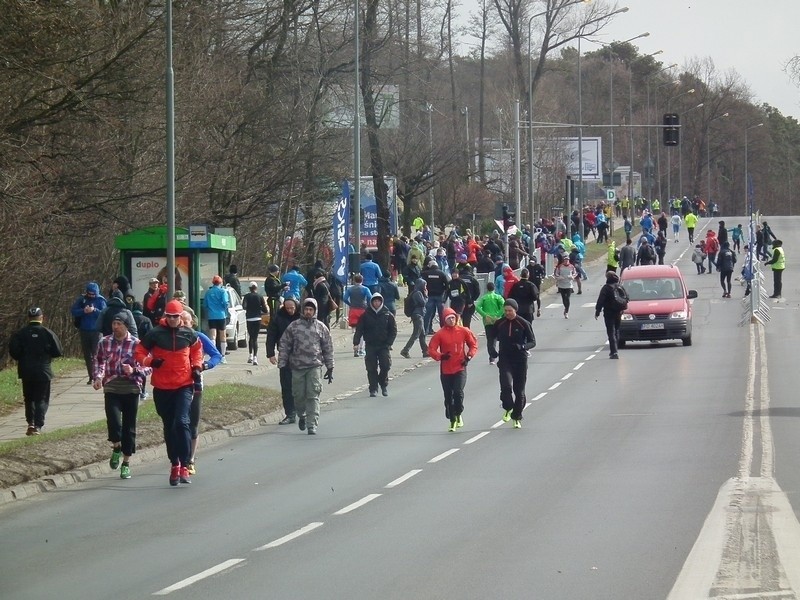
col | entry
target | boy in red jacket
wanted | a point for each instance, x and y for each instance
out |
(453, 346)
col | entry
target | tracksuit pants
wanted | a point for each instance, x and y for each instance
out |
(121, 411)
(453, 388)
(513, 377)
(36, 393)
(378, 362)
(173, 407)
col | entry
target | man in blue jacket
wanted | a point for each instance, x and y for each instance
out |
(85, 312)
(215, 303)
(371, 272)
(297, 283)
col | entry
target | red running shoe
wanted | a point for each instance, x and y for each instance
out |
(175, 475)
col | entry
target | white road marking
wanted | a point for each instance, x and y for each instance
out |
(588, 305)
(195, 578)
(405, 477)
(290, 537)
(751, 538)
(590, 357)
(567, 376)
(555, 305)
(554, 386)
(539, 396)
(578, 366)
(357, 504)
(477, 437)
(498, 424)
(443, 455)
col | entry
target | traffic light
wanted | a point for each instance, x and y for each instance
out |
(508, 218)
(671, 129)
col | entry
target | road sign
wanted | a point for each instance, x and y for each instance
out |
(611, 195)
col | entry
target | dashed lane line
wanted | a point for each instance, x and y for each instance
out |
(443, 455)
(288, 538)
(223, 566)
(403, 478)
(357, 504)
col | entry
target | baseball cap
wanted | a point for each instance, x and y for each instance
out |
(154, 280)
(179, 294)
(462, 258)
(253, 285)
(34, 312)
(216, 279)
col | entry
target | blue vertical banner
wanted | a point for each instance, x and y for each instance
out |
(341, 227)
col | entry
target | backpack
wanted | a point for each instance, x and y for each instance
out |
(619, 298)
(408, 306)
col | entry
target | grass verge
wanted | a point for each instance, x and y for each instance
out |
(11, 386)
(66, 449)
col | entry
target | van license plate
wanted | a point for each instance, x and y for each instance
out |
(652, 326)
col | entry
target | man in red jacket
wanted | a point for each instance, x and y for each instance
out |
(176, 355)
(453, 346)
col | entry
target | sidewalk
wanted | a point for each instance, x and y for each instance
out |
(73, 403)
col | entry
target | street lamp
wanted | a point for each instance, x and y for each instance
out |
(356, 132)
(669, 154)
(680, 153)
(465, 112)
(429, 109)
(748, 200)
(708, 155)
(580, 136)
(630, 121)
(650, 120)
(530, 107)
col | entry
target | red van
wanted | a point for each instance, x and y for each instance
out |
(658, 307)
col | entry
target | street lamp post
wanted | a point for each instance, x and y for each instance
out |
(669, 154)
(429, 109)
(170, 150)
(357, 134)
(708, 155)
(465, 112)
(530, 108)
(680, 154)
(748, 201)
(650, 120)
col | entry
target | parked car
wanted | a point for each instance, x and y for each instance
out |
(236, 329)
(658, 307)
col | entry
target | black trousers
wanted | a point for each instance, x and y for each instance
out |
(612, 322)
(725, 281)
(453, 388)
(467, 314)
(121, 411)
(37, 400)
(565, 294)
(194, 413)
(253, 329)
(777, 282)
(173, 407)
(513, 377)
(89, 341)
(491, 338)
(378, 362)
(286, 391)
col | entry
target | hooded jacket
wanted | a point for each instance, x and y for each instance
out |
(278, 324)
(490, 307)
(180, 350)
(419, 297)
(306, 343)
(88, 321)
(34, 347)
(451, 340)
(377, 326)
(116, 307)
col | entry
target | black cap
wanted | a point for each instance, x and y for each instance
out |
(35, 312)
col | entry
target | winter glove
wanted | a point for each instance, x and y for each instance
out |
(329, 375)
(206, 366)
(465, 362)
(521, 347)
(445, 356)
(156, 362)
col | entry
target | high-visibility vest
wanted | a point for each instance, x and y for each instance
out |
(780, 264)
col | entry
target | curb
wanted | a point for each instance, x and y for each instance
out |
(97, 470)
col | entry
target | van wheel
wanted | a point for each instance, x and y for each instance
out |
(621, 343)
(687, 341)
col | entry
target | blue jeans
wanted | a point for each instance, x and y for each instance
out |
(433, 306)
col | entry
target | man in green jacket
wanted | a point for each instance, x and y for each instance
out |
(490, 307)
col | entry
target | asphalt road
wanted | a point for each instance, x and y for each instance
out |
(668, 473)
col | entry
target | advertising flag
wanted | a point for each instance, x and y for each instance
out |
(341, 220)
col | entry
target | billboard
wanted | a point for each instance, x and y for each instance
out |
(592, 150)
(340, 107)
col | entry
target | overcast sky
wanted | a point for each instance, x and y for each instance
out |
(756, 38)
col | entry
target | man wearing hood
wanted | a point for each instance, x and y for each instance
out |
(280, 320)
(419, 297)
(436, 283)
(515, 338)
(612, 312)
(305, 347)
(379, 329)
(453, 346)
(85, 311)
(115, 307)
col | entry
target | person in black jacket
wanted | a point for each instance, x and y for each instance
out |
(726, 261)
(515, 338)
(436, 282)
(465, 272)
(279, 321)
(379, 329)
(34, 347)
(232, 279)
(254, 306)
(537, 275)
(612, 314)
(274, 288)
(525, 293)
(115, 307)
(418, 299)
